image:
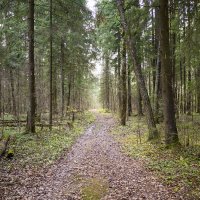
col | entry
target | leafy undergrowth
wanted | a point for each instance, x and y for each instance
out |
(44, 147)
(178, 167)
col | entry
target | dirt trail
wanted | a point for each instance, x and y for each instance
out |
(96, 160)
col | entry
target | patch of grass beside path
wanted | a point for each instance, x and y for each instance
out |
(45, 147)
(177, 167)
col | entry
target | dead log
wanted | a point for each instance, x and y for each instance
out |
(3, 145)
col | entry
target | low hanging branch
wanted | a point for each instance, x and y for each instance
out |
(153, 133)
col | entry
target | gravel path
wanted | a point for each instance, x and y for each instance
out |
(96, 157)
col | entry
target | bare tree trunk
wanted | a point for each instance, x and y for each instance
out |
(62, 79)
(32, 97)
(51, 69)
(14, 109)
(123, 82)
(129, 91)
(153, 133)
(139, 102)
(189, 94)
(0, 92)
(171, 134)
(119, 71)
(198, 91)
(69, 93)
(107, 82)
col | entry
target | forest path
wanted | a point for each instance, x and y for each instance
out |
(95, 167)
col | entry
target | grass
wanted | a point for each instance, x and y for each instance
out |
(95, 189)
(177, 167)
(44, 147)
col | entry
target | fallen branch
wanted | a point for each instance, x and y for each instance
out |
(3, 145)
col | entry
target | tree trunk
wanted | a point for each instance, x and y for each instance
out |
(139, 102)
(14, 109)
(0, 92)
(129, 91)
(198, 91)
(153, 133)
(69, 94)
(123, 82)
(107, 82)
(171, 134)
(119, 71)
(62, 80)
(51, 69)
(32, 98)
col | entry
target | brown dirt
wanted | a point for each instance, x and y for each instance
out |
(95, 157)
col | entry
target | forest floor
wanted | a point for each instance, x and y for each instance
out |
(94, 168)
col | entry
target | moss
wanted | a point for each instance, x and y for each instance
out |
(95, 189)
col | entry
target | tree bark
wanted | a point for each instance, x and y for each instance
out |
(51, 69)
(32, 97)
(14, 109)
(107, 82)
(119, 71)
(153, 133)
(139, 102)
(62, 79)
(123, 82)
(129, 91)
(1, 92)
(171, 134)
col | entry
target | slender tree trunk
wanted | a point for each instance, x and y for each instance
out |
(171, 133)
(129, 91)
(14, 109)
(139, 102)
(51, 69)
(153, 133)
(32, 97)
(69, 94)
(198, 91)
(54, 98)
(107, 82)
(119, 71)
(189, 94)
(62, 80)
(0, 92)
(123, 82)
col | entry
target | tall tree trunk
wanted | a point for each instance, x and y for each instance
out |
(171, 133)
(153, 133)
(14, 109)
(107, 82)
(32, 97)
(189, 94)
(139, 102)
(0, 91)
(129, 91)
(51, 68)
(62, 80)
(69, 93)
(158, 66)
(123, 82)
(119, 71)
(197, 90)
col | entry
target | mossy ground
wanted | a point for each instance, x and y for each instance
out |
(43, 148)
(95, 189)
(178, 167)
